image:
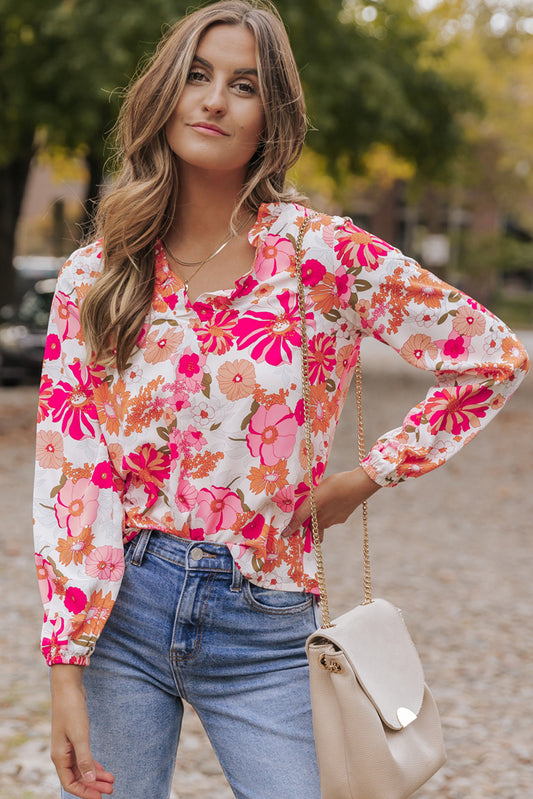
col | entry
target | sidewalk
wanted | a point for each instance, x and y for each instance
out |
(452, 549)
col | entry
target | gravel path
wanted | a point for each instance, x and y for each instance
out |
(453, 550)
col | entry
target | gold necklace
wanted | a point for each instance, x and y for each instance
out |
(199, 264)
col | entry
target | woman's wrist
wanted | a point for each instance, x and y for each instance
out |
(65, 675)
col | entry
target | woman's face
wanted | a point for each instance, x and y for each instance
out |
(219, 118)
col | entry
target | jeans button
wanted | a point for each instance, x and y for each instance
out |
(197, 554)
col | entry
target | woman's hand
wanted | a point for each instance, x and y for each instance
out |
(78, 773)
(336, 498)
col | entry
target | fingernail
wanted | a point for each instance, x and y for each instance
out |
(89, 776)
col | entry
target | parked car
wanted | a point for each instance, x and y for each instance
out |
(30, 268)
(23, 333)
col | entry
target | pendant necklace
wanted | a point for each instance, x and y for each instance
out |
(199, 264)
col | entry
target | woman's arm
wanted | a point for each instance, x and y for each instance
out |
(336, 498)
(78, 772)
(476, 359)
(77, 503)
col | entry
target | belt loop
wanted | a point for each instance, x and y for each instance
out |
(141, 543)
(236, 583)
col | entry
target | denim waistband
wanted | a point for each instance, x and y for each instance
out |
(203, 556)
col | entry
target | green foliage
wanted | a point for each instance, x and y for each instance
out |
(64, 63)
(371, 82)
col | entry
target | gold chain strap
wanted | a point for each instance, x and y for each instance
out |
(306, 391)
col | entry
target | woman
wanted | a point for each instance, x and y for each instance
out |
(170, 441)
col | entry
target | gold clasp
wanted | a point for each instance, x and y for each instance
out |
(330, 665)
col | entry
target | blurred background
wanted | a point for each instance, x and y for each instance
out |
(421, 117)
(421, 127)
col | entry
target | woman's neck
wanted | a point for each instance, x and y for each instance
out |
(205, 205)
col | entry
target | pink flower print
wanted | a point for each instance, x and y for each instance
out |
(274, 256)
(75, 600)
(254, 528)
(186, 496)
(322, 357)
(272, 336)
(105, 563)
(176, 445)
(179, 397)
(46, 577)
(455, 347)
(190, 370)
(469, 322)
(457, 409)
(58, 642)
(73, 404)
(284, 499)
(161, 347)
(344, 282)
(219, 508)
(312, 272)
(193, 438)
(103, 475)
(66, 315)
(49, 450)
(52, 349)
(356, 247)
(77, 505)
(272, 434)
(216, 335)
(245, 285)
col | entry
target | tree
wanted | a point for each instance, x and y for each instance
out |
(64, 62)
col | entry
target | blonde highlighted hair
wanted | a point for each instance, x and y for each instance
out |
(140, 206)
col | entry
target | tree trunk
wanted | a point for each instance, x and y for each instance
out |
(95, 164)
(12, 184)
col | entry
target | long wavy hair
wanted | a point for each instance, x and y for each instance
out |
(140, 205)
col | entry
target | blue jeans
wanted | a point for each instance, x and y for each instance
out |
(187, 626)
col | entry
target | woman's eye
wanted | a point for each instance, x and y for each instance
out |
(245, 88)
(195, 76)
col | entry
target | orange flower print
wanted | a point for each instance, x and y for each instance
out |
(324, 295)
(149, 467)
(469, 322)
(161, 346)
(265, 290)
(268, 479)
(49, 450)
(424, 290)
(110, 404)
(91, 622)
(415, 348)
(512, 352)
(344, 359)
(75, 547)
(236, 379)
(320, 409)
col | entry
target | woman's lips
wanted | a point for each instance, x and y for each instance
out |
(210, 130)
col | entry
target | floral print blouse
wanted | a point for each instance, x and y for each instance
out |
(202, 436)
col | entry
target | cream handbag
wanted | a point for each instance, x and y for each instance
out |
(377, 728)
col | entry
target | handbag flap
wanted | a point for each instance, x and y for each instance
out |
(380, 650)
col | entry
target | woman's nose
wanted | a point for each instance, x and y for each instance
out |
(215, 99)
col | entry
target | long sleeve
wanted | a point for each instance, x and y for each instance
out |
(77, 507)
(477, 361)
